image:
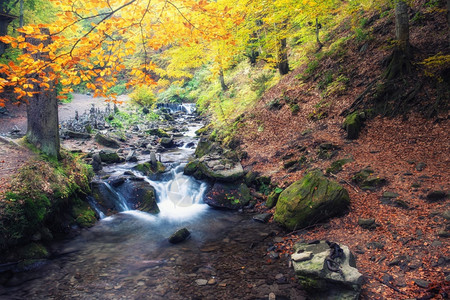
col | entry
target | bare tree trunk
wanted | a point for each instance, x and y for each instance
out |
(400, 60)
(402, 26)
(222, 80)
(317, 34)
(21, 14)
(42, 113)
(448, 21)
(283, 64)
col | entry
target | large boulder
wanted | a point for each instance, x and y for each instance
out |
(310, 200)
(110, 157)
(106, 141)
(215, 168)
(327, 271)
(228, 196)
(140, 195)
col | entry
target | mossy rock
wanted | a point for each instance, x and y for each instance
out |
(84, 215)
(106, 141)
(148, 169)
(353, 123)
(140, 194)
(204, 146)
(273, 197)
(33, 251)
(366, 179)
(179, 236)
(311, 200)
(232, 175)
(110, 157)
(158, 132)
(191, 167)
(337, 165)
(228, 196)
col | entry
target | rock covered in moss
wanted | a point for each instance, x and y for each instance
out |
(228, 196)
(310, 200)
(148, 168)
(323, 279)
(353, 123)
(140, 194)
(110, 157)
(272, 199)
(158, 132)
(367, 180)
(106, 141)
(336, 166)
(179, 236)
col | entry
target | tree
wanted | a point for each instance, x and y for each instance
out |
(90, 42)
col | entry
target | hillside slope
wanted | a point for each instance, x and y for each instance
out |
(409, 149)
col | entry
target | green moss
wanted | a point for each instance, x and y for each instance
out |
(33, 251)
(84, 215)
(191, 167)
(352, 124)
(158, 132)
(337, 165)
(148, 169)
(149, 203)
(273, 197)
(308, 283)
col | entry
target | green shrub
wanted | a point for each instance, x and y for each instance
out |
(143, 96)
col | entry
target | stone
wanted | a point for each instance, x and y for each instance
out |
(77, 135)
(444, 234)
(201, 282)
(420, 166)
(337, 165)
(106, 141)
(212, 281)
(375, 245)
(140, 194)
(179, 236)
(147, 168)
(321, 282)
(367, 223)
(303, 256)
(131, 157)
(167, 142)
(422, 283)
(366, 179)
(228, 196)
(272, 199)
(280, 278)
(110, 157)
(311, 200)
(263, 218)
(158, 132)
(353, 123)
(272, 296)
(436, 195)
(96, 163)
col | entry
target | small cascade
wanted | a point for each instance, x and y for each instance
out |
(121, 202)
(96, 208)
(188, 108)
(180, 196)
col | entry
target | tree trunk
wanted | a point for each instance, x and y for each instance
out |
(448, 21)
(400, 60)
(319, 44)
(222, 81)
(283, 65)
(402, 26)
(42, 113)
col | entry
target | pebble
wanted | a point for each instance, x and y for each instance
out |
(272, 296)
(422, 283)
(212, 281)
(201, 282)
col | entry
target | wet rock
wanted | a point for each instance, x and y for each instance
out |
(140, 194)
(227, 195)
(318, 280)
(148, 169)
(201, 169)
(167, 142)
(106, 141)
(131, 157)
(311, 200)
(263, 218)
(179, 236)
(436, 195)
(96, 163)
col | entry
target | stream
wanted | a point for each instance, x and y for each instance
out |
(127, 255)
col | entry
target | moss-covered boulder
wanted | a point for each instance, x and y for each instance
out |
(311, 200)
(140, 195)
(205, 146)
(158, 132)
(148, 168)
(228, 196)
(110, 157)
(106, 141)
(366, 179)
(83, 214)
(272, 199)
(353, 123)
(234, 173)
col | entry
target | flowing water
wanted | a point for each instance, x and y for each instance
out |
(127, 255)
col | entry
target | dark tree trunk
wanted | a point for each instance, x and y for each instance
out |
(42, 114)
(283, 64)
(319, 44)
(400, 60)
(448, 21)
(222, 81)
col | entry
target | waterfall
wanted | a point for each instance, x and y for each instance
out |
(120, 200)
(180, 196)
